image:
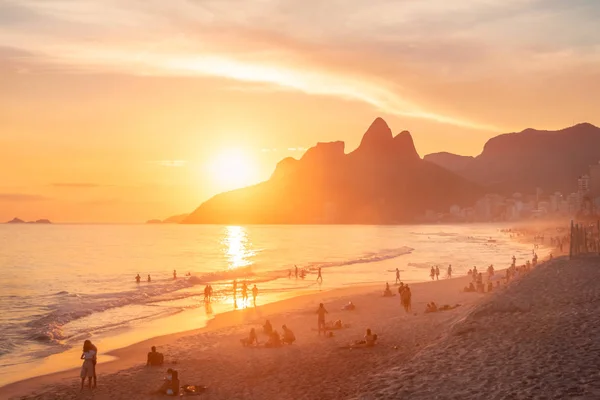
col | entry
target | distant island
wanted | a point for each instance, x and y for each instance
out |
(175, 219)
(383, 181)
(20, 221)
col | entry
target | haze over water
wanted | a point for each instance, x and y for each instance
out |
(61, 284)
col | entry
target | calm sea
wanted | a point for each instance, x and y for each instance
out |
(62, 284)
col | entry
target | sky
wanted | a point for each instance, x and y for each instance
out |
(123, 111)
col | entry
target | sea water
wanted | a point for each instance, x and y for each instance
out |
(62, 284)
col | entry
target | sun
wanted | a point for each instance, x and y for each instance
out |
(232, 169)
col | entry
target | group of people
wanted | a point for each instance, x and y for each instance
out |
(138, 278)
(302, 273)
(244, 292)
(274, 338)
(434, 273)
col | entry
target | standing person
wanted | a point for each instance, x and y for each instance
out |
(296, 271)
(87, 369)
(319, 276)
(474, 273)
(450, 271)
(244, 292)
(437, 272)
(206, 298)
(321, 311)
(254, 294)
(95, 360)
(149, 279)
(432, 273)
(397, 275)
(174, 274)
(138, 278)
(408, 299)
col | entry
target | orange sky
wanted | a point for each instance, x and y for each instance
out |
(98, 98)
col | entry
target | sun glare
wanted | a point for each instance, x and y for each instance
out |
(232, 169)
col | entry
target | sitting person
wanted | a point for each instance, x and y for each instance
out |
(470, 288)
(274, 340)
(268, 328)
(288, 335)
(251, 340)
(369, 341)
(155, 358)
(431, 307)
(349, 307)
(171, 385)
(387, 292)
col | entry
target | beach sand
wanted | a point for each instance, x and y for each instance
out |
(538, 337)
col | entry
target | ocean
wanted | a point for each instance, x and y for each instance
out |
(62, 284)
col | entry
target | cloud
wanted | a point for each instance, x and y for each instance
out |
(383, 53)
(76, 185)
(170, 163)
(21, 197)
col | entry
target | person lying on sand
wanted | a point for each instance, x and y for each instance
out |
(431, 307)
(274, 340)
(446, 307)
(288, 335)
(369, 340)
(170, 386)
(331, 326)
(387, 292)
(268, 328)
(155, 358)
(251, 340)
(349, 307)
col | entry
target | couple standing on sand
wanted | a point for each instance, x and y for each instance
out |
(88, 369)
(405, 297)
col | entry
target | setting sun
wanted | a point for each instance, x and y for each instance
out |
(232, 169)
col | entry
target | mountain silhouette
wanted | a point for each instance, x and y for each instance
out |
(523, 161)
(383, 181)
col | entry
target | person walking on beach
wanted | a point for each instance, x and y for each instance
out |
(319, 276)
(405, 297)
(254, 294)
(450, 271)
(174, 274)
(437, 272)
(474, 273)
(432, 273)
(138, 278)
(296, 271)
(397, 276)
(321, 311)
(149, 279)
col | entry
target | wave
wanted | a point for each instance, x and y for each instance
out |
(433, 234)
(386, 254)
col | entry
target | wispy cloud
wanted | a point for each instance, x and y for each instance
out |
(170, 163)
(76, 185)
(384, 53)
(21, 197)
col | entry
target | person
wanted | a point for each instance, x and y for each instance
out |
(267, 327)
(321, 311)
(432, 273)
(437, 272)
(171, 385)
(155, 358)
(302, 274)
(234, 287)
(87, 368)
(349, 307)
(206, 299)
(319, 276)
(274, 340)
(431, 307)
(149, 279)
(401, 289)
(490, 286)
(475, 273)
(244, 291)
(397, 276)
(450, 271)
(251, 340)
(288, 335)
(138, 278)
(174, 274)
(369, 340)
(406, 299)
(514, 261)
(387, 292)
(254, 294)
(296, 271)
(210, 292)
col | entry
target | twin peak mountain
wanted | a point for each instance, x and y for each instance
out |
(383, 181)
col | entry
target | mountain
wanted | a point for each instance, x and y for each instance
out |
(175, 219)
(522, 161)
(383, 181)
(20, 221)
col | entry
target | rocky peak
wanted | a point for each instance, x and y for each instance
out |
(404, 147)
(378, 135)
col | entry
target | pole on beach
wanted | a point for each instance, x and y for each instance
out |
(571, 242)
